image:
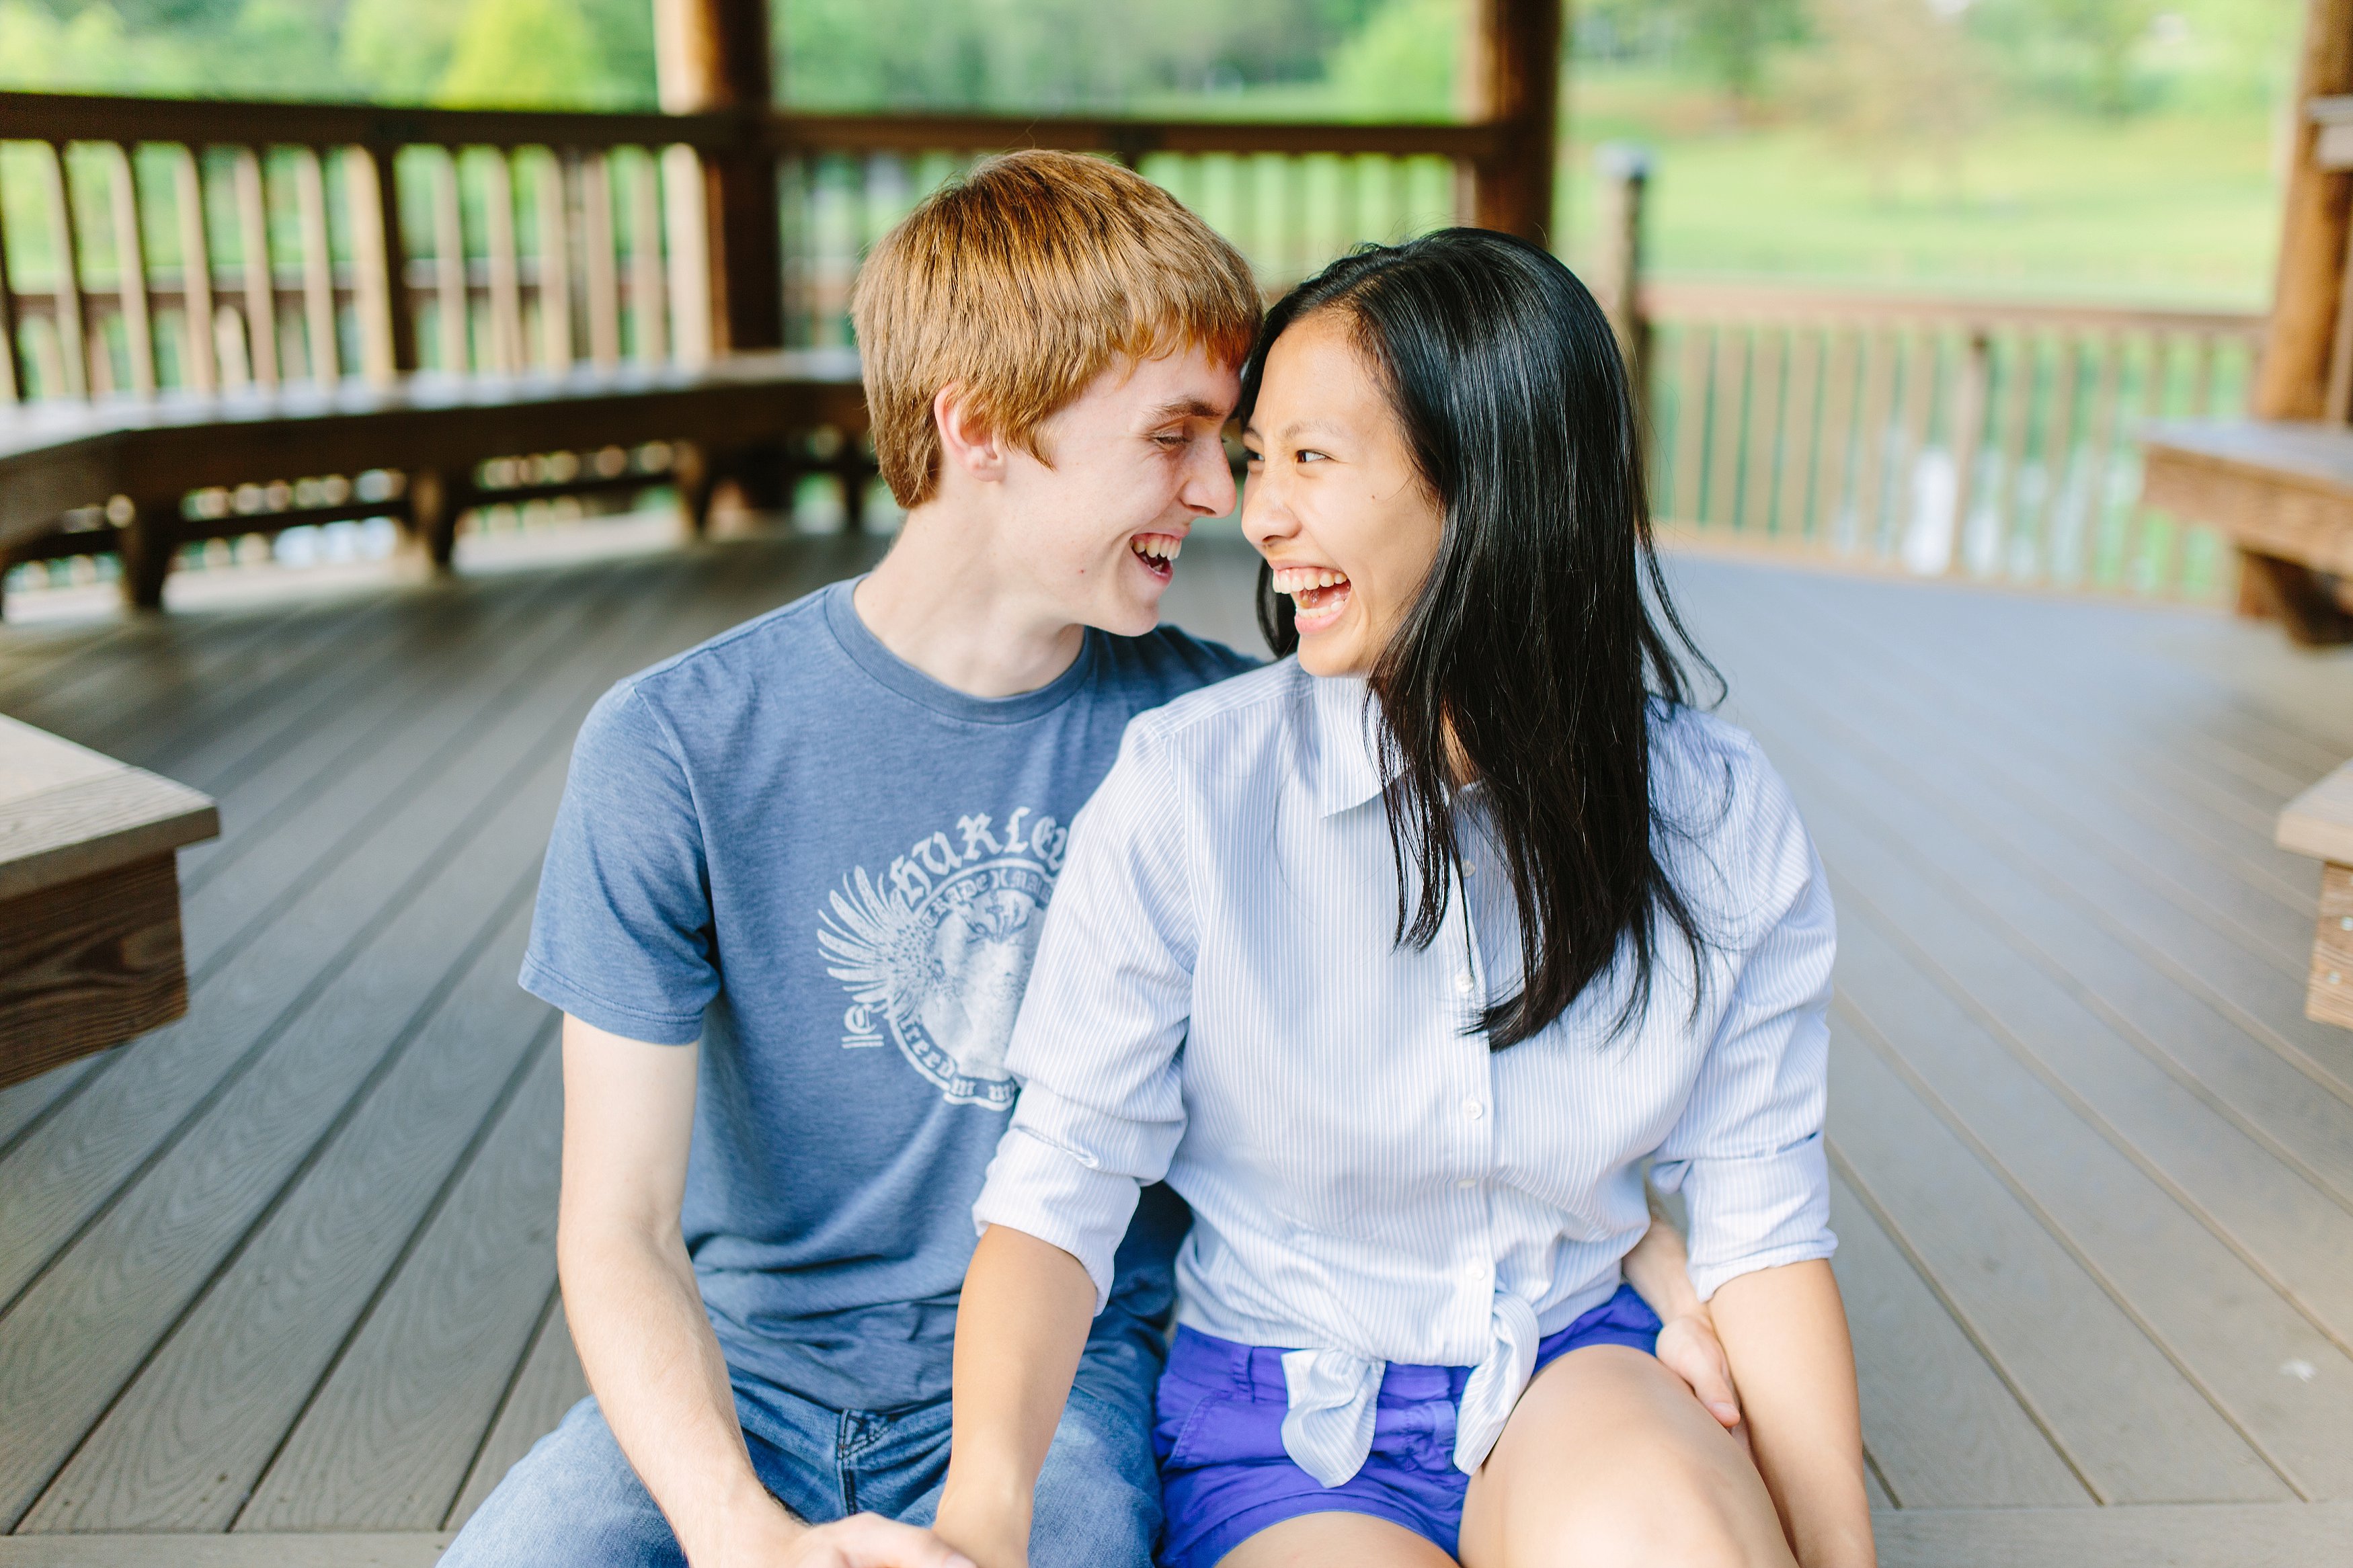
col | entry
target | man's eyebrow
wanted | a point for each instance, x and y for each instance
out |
(1189, 408)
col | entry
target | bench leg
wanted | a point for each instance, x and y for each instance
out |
(2304, 601)
(148, 540)
(690, 472)
(434, 503)
(853, 498)
(2329, 999)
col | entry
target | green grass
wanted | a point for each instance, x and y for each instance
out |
(2174, 209)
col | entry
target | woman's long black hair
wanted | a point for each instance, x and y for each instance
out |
(1531, 642)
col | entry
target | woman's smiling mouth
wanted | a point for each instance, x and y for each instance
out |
(1319, 594)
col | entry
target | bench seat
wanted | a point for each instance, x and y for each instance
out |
(2319, 823)
(436, 430)
(89, 899)
(2283, 490)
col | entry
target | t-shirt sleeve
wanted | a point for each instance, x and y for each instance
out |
(1748, 1152)
(1095, 1044)
(621, 937)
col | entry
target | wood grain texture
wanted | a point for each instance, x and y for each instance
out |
(549, 1383)
(69, 1343)
(2292, 379)
(90, 964)
(66, 813)
(389, 1441)
(412, 1549)
(2285, 1535)
(182, 1446)
(1940, 1425)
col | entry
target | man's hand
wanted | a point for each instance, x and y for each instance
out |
(863, 1540)
(1688, 1348)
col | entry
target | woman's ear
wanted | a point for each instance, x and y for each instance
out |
(967, 444)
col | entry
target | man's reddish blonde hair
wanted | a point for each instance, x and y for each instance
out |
(1022, 282)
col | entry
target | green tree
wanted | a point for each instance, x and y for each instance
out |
(1731, 41)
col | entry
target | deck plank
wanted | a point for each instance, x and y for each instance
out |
(549, 1383)
(55, 1180)
(88, 1322)
(2128, 1421)
(183, 1447)
(1940, 1425)
(387, 1443)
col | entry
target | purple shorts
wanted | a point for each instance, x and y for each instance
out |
(1218, 1434)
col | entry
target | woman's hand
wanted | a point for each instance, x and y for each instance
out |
(993, 1537)
(1688, 1348)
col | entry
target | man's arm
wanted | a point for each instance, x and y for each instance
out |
(645, 1342)
(1785, 1329)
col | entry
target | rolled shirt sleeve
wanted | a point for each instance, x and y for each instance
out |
(1096, 1047)
(1747, 1152)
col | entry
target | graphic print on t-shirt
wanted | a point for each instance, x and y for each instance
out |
(936, 952)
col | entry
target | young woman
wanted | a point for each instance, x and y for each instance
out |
(1398, 959)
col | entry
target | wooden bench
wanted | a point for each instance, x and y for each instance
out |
(89, 899)
(435, 430)
(2319, 823)
(2283, 490)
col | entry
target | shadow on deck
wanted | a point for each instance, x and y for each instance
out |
(283, 1275)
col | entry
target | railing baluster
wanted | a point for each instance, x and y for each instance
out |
(1876, 423)
(2018, 409)
(379, 265)
(1728, 381)
(647, 304)
(1921, 356)
(14, 386)
(453, 307)
(1801, 408)
(1767, 367)
(554, 266)
(260, 275)
(131, 265)
(689, 254)
(2058, 453)
(1834, 448)
(1969, 403)
(1692, 404)
(506, 272)
(600, 277)
(199, 363)
(317, 269)
(73, 306)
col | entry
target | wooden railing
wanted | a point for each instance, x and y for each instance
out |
(1984, 439)
(154, 245)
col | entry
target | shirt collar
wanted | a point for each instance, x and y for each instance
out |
(1346, 766)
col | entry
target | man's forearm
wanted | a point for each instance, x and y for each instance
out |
(1021, 1325)
(660, 1379)
(1785, 1331)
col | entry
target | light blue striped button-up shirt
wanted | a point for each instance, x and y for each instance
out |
(1219, 999)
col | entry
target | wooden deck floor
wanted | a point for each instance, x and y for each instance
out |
(282, 1274)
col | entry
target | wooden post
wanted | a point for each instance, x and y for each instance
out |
(2291, 380)
(1511, 77)
(713, 55)
(1625, 172)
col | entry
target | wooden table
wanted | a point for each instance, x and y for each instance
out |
(2283, 490)
(2319, 823)
(89, 899)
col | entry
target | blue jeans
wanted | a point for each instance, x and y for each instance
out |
(574, 1501)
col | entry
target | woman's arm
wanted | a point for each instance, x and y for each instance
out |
(1020, 1328)
(1785, 1331)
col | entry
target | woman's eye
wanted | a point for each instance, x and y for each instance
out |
(1253, 459)
(1308, 454)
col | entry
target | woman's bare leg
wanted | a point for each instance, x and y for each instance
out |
(1609, 1462)
(1337, 1540)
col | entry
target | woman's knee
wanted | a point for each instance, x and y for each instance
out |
(1668, 1506)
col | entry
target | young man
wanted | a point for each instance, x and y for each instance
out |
(790, 901)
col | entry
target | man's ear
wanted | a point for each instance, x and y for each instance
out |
(966, 441)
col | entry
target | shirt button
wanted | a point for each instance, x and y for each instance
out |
(1476, 1273)
(1475, 1109)
(1468, 1182)
(1462, 983)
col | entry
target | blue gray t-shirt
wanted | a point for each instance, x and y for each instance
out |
(830, 868)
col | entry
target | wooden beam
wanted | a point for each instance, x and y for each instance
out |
(1511, 77)
(712, 56)
(2293, 380)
